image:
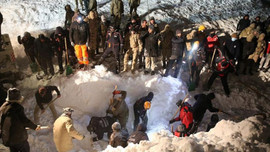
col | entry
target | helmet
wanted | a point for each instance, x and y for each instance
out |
(147, 105)
(201, 28)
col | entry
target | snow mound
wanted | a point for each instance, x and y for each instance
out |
(246, 135)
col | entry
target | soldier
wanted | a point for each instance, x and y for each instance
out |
(143, 29)
(81, 2)
(153, 23)
(135, 49)
(93, 23)
(166, 44)
(104, 25)
(114, 43)
(69, 15)
(117, 9)
(133, 5)
(118, 107)
(92, 6)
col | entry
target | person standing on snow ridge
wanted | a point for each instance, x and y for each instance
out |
(118, 107)
(117, 10)
(134, 4)
(114, 43)
(58, 41)
(81, 2)
(92, 6)
(135, 49)
(222, 67)
(140, 109)
(118, 137)
(166, 44)
(28, 42)
(93, 22)
(69, 15)
(79, 38)
(44, 96)
(178, 48)
(44, 53)
(104, 26)
(143, 29)
(203, 103)
(137, 136)
(14, 123)
(64, 131)
(243, 23)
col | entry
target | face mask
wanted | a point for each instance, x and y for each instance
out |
(234, 39)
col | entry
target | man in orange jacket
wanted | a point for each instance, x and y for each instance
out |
(79, 38)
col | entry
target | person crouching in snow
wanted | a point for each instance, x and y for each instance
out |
(185, 115)
(118, 107)
(214, 121)
(44, 96)
(199, 108)
(138, 135)
(64, 131)
(79, 38)
(14, 123)
(118, 137)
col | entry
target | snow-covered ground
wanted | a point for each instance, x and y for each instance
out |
(88, 92)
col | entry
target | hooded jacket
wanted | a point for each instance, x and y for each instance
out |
(139, 104)
(259, 51)
(178, 47)
(13, 123)
(93, 23)
(247, 31)
(63, 132)
(243, 23)
(79, 33)
(48, 96)
(151, 44)
(138, 135)
(43, 49)
(167, 34)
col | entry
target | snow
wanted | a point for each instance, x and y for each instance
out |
(88, 92)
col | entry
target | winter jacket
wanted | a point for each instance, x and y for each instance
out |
(200, 107)
(178, 47)
(242, 24)
(114, 40)
(156, 28)
(118, 138)
(212, 41)
(27, 42)
(247, 31)
(92, 5)
(117, 7)
(258, 24)
(68, 20)
(135, 42)
(93, 23)
(167, 35)
(139, 105)
(233, 49)
(138, 135)
(64, 132)
(58, 41)
(119, 108)
(79, 33)
(43, 49)
(48, 96)
(13, 123)
(151, 44)
(134, 3)
(259, 51)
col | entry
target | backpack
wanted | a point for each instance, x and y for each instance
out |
(186, 115)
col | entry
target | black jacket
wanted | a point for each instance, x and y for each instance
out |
(233, 49)
(58, 42)
(178, 47)
(151, 44)
(139, 105)
(43, 49)
(138, 135)
(13, 124)
(242, 24)
(79, 33)
(68, 20)
(114, 40)
(48, 97)
(27, 42)
(201, 105)
(1, 18)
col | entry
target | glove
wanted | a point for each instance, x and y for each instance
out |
(87, 44)
(72, 44)
(172, 121)
(38, 128)
(116, 92)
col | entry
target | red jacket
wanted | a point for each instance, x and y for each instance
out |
(180, 134)
(212, 41)
(268, 48)
(185, 116)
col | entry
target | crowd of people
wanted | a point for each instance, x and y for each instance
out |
(81, 41)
